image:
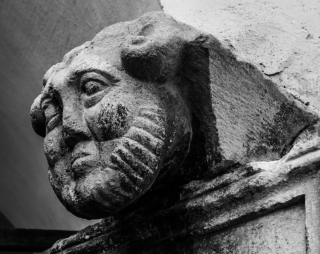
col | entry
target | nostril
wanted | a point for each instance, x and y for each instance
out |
(70, 141)
(72, 136)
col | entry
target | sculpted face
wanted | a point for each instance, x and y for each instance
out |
(107, 134)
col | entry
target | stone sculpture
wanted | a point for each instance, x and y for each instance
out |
(113, 116)
(150, 113)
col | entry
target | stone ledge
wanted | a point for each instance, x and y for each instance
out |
(273, 186)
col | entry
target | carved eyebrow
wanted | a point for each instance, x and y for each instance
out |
(76, 77)
(108, 75)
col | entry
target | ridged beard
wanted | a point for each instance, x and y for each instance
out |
(129, 171)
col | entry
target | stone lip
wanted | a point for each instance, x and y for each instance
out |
(218, 203)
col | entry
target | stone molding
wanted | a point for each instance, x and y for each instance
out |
(221, 203)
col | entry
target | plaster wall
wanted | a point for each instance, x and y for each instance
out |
(281, 38)
(35, 34)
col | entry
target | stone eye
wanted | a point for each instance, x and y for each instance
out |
(92, 87)
(92, 83)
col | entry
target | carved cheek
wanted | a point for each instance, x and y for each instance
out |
(54, 147)
(108, 120)
(60, 178)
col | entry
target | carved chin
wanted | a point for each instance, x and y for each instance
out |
(125, 173)
(103, 192)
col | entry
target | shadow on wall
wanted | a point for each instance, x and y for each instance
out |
(5, 223)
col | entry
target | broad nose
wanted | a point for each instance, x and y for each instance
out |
(74, 127)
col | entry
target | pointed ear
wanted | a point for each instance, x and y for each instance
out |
(37, 117)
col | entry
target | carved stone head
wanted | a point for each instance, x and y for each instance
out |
(113, 115)
(155, 103)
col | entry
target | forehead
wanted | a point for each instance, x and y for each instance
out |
(87, 57)
(102, 52)
(104, 49)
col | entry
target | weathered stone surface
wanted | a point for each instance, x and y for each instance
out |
(160, 127)
(125, 106)
(281, 38)
(282, 231)
(254, 119)
(108, 134)
(211, 219)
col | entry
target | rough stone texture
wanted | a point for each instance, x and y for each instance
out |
(35, 34)
(244, 200)
(108, 135)
(253, 157)
(282, 231)
(281, 38)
